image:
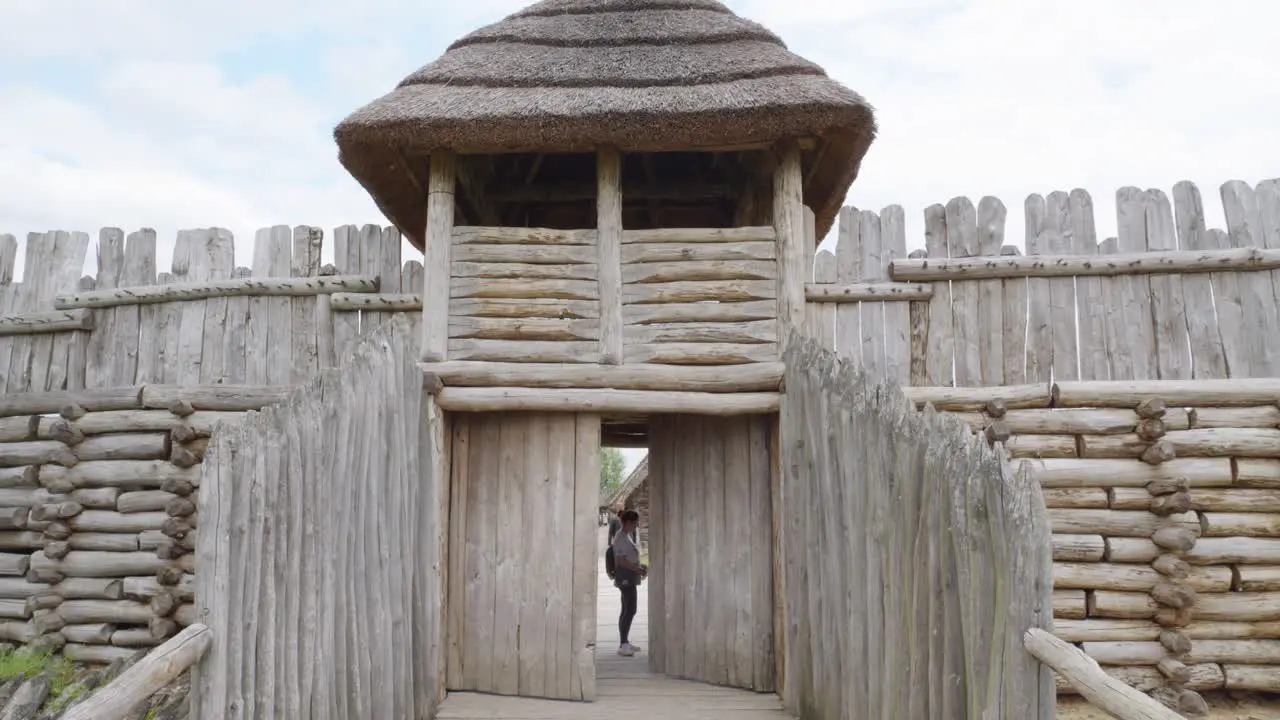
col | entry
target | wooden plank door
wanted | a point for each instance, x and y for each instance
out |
(522, 554)
(711, 599)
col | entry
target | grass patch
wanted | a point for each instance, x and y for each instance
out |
(20, 661)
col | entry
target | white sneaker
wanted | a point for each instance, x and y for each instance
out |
(634, 648)
(626, 651)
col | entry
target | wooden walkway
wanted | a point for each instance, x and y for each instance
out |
(626, 690)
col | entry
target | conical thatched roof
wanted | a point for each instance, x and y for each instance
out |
(576, 74)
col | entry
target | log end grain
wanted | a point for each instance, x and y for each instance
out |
(1151, 429)
(997, 432)
(169, 576)
(183, 457)
(1151, 408)
(1175, 643)
(57, 549)
(180, 507)
(66, 433)
(1166, 505)
(1173, 595)
(57, 531)
(181, 408)
(996, 408)
(65, 458)
(1174, 538)
(1171, 566)
(1160, 452)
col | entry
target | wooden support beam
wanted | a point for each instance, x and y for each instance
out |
(244, 287)
(609, 262)
(438, 243)
(1087, 677)
(867, 292)
(1145, 263)
(46, 322)
(375, 302)
(581, 191)
(650, 402)
(122, 696)
(788, 223)
(747, 377)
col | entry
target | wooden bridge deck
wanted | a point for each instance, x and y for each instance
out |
(625, 689)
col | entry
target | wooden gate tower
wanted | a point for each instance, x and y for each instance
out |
(613, 198)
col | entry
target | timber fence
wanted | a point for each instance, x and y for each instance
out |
(1169, 298)
(320, 549)
(913, 558)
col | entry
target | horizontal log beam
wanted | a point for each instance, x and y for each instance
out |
(1241, 392)
(748, 377)
(605, 401)
(867, 292)
(245, 287)
(1146, 263)
(227, 398)
(381, 302)
(45, 403)
(686, 236)
(46, 322)
(1039, 395)
(587, 191)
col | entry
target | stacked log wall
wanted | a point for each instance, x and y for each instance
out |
(1164, 499)
(98, 513)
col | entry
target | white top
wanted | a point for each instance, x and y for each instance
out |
(624, 546)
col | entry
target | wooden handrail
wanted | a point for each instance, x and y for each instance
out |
(160, 667)
(1089, 679)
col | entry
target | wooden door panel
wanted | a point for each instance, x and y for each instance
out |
(522, 554)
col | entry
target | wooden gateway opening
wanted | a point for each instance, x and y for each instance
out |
(524, 553)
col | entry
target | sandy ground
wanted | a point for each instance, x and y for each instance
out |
(1243, 706)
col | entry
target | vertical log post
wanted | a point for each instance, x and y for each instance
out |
(788, 222)
(437, 244)
(609, 269)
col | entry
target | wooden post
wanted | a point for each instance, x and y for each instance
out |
(609, 269)
(788, 222)
(437, 244)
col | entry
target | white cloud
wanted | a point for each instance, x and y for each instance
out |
(978, 97)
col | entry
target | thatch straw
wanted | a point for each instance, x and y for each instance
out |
(577, 74)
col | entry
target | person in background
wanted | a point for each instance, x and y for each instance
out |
(615, 521)
(628, 574)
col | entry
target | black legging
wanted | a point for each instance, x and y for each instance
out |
(628, 613)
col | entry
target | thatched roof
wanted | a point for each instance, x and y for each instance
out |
(577, 74)
(628, 487)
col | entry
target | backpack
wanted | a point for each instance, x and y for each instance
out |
(609, 564)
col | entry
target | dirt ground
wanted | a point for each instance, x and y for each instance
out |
(1238, 706)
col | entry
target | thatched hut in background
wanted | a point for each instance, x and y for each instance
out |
(633, 494)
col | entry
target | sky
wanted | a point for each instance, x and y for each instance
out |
(170, 115)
